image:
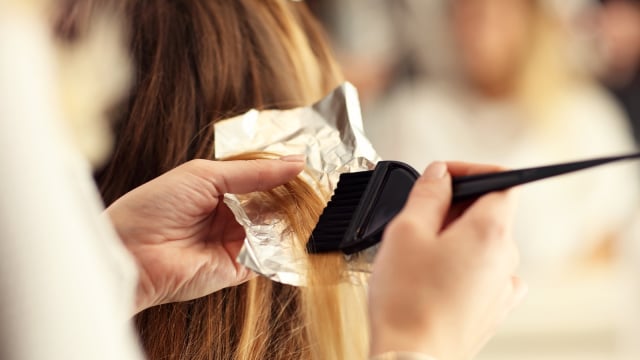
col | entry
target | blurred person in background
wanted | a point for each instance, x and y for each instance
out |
(516, 100)
(501, 85)
(618, 29)
(374, 41)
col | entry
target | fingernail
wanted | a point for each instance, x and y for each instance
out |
(294, 158)
(436, 170)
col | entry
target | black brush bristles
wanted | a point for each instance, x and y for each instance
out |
(335, 218)
(360, 208)
(365, 202)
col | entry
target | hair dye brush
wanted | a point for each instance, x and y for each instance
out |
(365, 202)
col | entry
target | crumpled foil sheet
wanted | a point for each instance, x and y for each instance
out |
(331, 135)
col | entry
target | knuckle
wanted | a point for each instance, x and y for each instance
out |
(195, 166)
(495, 238)
(490, 229)
(195, 163)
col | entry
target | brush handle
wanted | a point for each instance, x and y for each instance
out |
(467, 187)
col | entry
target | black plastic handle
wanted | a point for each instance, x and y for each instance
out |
(467, 187)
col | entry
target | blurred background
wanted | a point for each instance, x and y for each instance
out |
(520, 83)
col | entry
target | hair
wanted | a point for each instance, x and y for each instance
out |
(197, 62)
(331, 307)
(200, 61)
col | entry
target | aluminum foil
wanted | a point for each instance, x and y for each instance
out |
(331, 135)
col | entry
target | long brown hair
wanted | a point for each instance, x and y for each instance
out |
(199, 61)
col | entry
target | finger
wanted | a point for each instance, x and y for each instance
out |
(430, 197)
(245, 176)
(225, 228)
(457, 168)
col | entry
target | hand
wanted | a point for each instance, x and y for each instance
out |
(184, 238)
(443, 278)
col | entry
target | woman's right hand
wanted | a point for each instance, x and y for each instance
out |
(444, 278)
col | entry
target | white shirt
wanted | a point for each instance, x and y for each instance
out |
(66, 281)
(557, 218)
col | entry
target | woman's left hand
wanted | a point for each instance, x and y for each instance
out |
(184, 238)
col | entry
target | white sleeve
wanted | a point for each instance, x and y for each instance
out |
(66, 282)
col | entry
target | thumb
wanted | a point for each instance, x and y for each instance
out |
(245, 176)
(430, 197)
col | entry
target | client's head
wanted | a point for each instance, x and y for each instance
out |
(200, 61)
(196, 62)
